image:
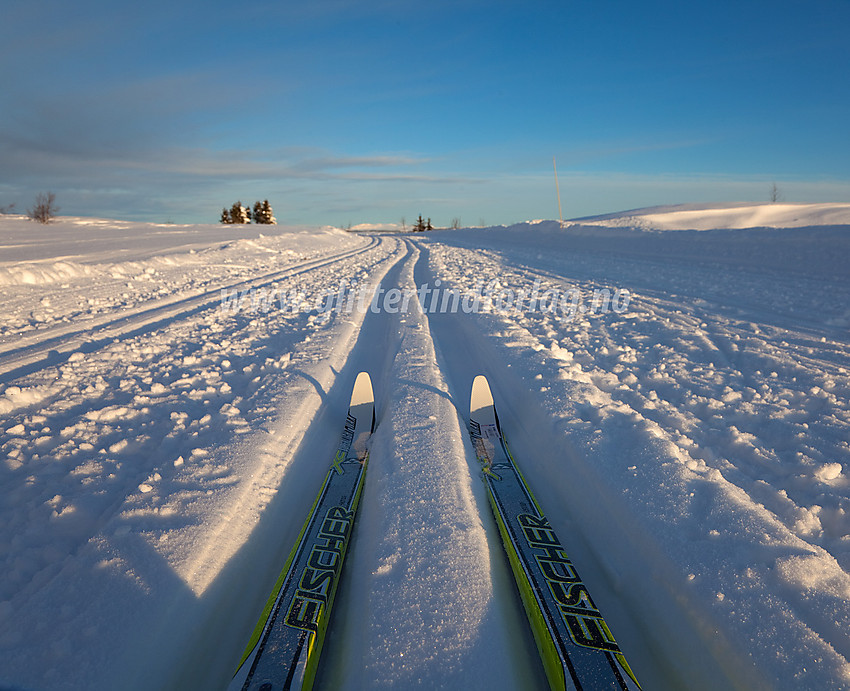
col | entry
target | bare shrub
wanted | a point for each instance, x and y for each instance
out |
(44, 209)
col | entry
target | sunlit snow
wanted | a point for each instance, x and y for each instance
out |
(680, 406)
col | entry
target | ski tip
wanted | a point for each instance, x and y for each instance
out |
(362, 392)
(481, 397)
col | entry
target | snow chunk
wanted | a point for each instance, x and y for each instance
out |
(110, 414)
(816, 572)
(118, 446)
(17, 397)
(829, 471)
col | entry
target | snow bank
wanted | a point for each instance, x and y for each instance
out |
(808, 250)
(725, 216)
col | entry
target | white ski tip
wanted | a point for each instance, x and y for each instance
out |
(362, 409)
(362, 392)
(481, 396)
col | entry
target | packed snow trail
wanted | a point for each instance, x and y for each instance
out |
(690, 450)
(418, 601)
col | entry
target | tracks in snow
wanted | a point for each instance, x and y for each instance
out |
(423, 598)
(427, 591)
(31, 353)
(251, 406)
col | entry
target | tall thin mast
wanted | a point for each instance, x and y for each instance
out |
(558, 190)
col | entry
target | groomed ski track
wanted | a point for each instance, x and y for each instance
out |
(205, 522)
(422, 532)
(427, 598)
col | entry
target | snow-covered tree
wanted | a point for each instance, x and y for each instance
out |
(239, 213)
(268, 214)
(263, 213)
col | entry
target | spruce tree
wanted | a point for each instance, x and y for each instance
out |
(239, 214)
(268, 214)
(261, 213)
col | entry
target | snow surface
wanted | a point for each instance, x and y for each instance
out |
(709, 217)
(159, 451)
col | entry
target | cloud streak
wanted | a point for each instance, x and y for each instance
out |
(29, 159)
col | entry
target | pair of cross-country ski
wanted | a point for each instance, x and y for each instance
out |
(575, 644)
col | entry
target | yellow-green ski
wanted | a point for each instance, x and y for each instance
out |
(575, 644)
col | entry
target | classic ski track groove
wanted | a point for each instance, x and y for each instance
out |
(350, 360)
(21, 360)
(403, 626)
(459, 379)
(411, 268)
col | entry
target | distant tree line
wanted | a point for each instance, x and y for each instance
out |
(262, 213)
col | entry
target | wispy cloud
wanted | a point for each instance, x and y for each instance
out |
(62, 156)
(192, 183)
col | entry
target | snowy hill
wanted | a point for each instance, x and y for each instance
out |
(725, 216)
(171, 396)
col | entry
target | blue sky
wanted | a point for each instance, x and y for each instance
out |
(353, 112)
